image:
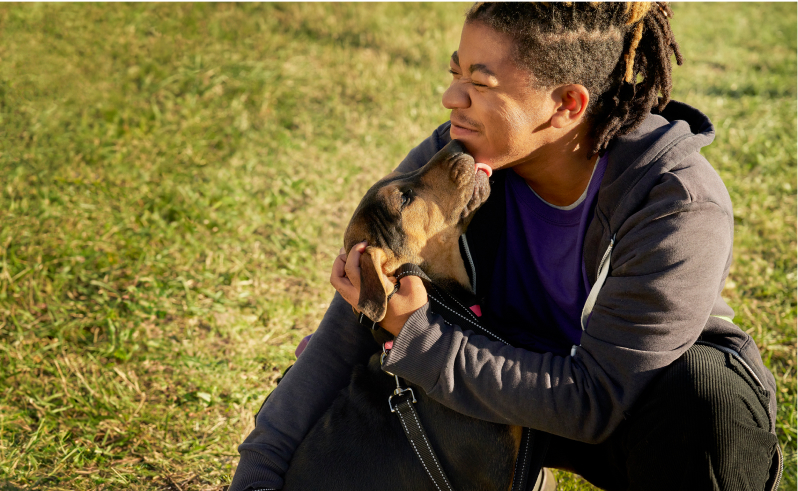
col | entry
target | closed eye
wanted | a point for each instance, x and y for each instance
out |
(457, 74)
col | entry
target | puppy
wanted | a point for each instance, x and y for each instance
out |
(358, 444)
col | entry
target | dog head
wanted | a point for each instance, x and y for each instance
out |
(417, 218)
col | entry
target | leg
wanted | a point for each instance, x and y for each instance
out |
(300, 399)
(702, 424)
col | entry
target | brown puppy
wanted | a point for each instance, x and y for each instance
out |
(358, 444)
(417, 218)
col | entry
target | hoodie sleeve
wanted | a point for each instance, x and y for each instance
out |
(667, 269)
(309, 388)
(301, 398)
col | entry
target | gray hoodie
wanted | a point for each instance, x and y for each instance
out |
(657, 253)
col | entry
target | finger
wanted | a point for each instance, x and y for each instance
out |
(352, 267)
(339, 265)
(341, 283)
(355, 253)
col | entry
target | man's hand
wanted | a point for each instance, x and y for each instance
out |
(345, 278)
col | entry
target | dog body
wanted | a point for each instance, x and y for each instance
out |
(358, 444)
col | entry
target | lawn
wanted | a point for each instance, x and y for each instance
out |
(175, 183)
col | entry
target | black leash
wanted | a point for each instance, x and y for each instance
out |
(402, 400)
(411, 424)
(534, 444)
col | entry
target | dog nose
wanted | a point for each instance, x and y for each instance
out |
(455, 147)
(459, 162)
(453, 157)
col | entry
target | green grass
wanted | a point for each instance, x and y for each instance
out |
(175, 183)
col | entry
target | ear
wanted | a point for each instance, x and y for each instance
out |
(373, 299)
(572, 101)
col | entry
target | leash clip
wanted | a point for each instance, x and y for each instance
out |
(386, 346)
(398, 392)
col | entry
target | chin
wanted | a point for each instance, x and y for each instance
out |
(491, 160)
(473, 150)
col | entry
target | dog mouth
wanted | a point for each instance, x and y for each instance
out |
(480, 167)
(481, 190)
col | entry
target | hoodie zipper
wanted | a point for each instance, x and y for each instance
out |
(780, 470)
(601, 277)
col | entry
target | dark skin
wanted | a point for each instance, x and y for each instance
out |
(504, 121)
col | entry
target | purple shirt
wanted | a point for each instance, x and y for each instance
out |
(540, 284)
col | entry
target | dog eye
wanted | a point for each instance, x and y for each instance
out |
(406, 197)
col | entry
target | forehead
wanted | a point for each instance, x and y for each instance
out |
(485, 49)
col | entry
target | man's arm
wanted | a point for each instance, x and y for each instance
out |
(667, 269)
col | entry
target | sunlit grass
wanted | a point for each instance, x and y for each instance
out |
(175, 183)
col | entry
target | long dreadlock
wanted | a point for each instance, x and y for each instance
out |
(620, 52)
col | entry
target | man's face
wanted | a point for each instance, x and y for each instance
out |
(495, 111)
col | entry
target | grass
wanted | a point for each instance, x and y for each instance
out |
(176, 179)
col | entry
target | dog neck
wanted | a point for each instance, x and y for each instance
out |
(447, 270)
(461, 293)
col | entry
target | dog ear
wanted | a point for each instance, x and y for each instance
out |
(373, 299)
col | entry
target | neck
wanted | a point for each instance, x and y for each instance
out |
(560, 171)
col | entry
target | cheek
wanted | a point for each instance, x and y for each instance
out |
(505, 130)
(517, 121)
(508, 124)
(518, 129)
(430, 218)
(415, 221)
(506, 117)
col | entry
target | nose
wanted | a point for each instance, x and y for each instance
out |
(456, 97)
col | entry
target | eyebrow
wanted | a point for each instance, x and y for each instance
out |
(476, 67)
(479, 67)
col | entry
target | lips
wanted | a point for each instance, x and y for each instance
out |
(462, 132)
(462, 127)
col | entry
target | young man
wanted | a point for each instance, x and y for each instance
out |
(600, 255)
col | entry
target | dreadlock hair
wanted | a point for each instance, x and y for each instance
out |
(620, 52)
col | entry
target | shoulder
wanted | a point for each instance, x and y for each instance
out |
(700, 181)
(660, 163)
(688, 197)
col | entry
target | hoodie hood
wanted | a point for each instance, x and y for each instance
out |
(637, 160)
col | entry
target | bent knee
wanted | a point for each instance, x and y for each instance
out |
(712, 386)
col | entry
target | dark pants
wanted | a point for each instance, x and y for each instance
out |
(703, 424)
